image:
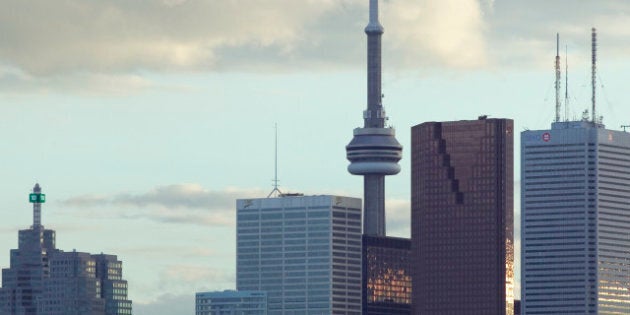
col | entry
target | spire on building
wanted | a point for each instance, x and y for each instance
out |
(374, 151)
(37, 198)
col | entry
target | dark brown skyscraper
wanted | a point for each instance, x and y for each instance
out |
(462, 217)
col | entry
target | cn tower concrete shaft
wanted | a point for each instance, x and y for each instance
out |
(374, 151)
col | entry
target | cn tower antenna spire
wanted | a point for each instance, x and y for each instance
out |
(374, 151)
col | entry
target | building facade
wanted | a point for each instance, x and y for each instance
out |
(43, 280)
(386, 275)
(304, 251)
(29, 264)
(114, 288)
(231, 303)
(462, 217)
(575, 221)
(72, 287)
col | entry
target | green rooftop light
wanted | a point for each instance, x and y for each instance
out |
(37, 198)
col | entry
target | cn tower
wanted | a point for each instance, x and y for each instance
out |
(374, 151)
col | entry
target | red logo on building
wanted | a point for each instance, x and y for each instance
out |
(546, 137)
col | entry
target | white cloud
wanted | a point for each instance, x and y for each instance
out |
(447, 32)
(181, 203)
(167, 304)
(74, 39)
(398, 215)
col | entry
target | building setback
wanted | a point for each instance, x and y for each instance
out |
(231, 303)
(575, 221)
(113, 286)
(304, 251)
(462, 217)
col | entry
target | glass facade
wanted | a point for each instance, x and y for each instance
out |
(462, 217)
(386, 275)
(304, 251)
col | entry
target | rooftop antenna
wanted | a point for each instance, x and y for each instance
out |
(593, 72)
(625, 127)
(275, 177)
(566, 85)
(37, 198)
(557, 77)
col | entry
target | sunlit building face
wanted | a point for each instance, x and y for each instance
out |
(386, 275)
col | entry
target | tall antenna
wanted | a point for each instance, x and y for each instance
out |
(275, 169)
(557, 77)
(594, 71)
(566, 85)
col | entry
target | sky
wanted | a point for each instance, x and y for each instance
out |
(143, 121)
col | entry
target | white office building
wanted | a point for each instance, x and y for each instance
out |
(575, 221)
(231, 303)
(304, 251)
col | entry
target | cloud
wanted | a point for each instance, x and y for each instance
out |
(447, 32)
(47, 38)
(167, 304)
(182, 203)
(398, 214)
(58, 44)
(16, 81)
(196, 274)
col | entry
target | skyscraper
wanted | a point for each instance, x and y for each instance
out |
(462, 217)
(113, 287)
(72, 287)
(29, 264)
(43, 280)
(575, 220)
(374, 151)
(304, 251)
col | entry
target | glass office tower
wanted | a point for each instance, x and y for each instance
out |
(386, 275)
(462, 217)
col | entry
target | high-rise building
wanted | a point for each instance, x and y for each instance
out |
(374, 151)
(72, 288)
(386, 275)
(231, 303)
(462, 217)
(575, 220)
(29, 264)
(43, 280)
(113, 286)
(304, 251)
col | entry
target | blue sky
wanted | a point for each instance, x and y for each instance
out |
(143, 121)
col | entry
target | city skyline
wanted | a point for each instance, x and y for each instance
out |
(138, 129)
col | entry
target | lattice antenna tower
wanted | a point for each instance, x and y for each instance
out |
(593, 72)
(558, 102)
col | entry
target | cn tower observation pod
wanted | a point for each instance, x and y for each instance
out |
(374, 151)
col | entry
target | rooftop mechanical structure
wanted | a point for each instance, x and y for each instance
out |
(374, 151)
